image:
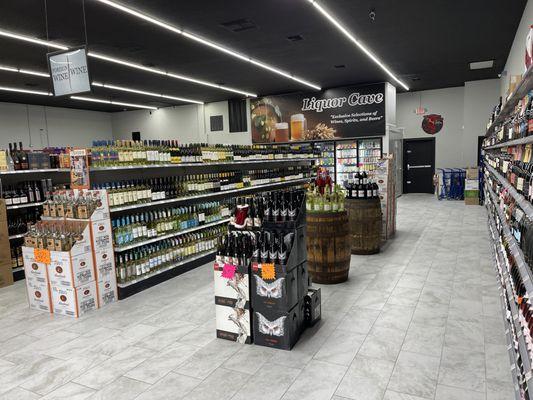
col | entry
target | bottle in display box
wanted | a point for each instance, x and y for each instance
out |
(74, 301)
(232, 301)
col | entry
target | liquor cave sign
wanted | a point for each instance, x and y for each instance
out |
(69, 72)
(338, 113)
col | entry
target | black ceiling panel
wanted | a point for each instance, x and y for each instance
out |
(428, 44)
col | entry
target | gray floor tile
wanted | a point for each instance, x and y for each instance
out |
(18, 393)
(172, 386)
(415, 374)
(70, 391)
(306, 384)
(424, 339)
(222, 384)
(341, 347)
(453, 393)
(121, 389)
(462, 369)
(391, 395)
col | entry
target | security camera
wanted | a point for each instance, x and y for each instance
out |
(372, 15)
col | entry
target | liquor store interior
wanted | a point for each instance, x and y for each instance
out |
(285, 200)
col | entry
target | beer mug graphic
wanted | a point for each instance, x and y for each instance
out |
(298, 126)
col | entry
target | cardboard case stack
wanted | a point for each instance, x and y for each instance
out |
(74, 282)
(6, 271)
(472, 187)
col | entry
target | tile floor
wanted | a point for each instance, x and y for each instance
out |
(419, 321)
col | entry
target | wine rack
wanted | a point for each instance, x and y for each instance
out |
(519, 355)
(113, 173)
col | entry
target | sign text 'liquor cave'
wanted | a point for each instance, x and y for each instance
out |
(354, 99)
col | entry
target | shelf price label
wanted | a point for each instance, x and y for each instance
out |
(42, 256)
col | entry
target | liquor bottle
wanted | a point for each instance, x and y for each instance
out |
(15, 157)
(23, 157)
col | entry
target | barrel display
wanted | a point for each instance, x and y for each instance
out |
(364, 217)
(328, 247)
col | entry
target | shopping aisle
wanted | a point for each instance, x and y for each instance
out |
(422, 318)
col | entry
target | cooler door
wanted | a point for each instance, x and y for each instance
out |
(369, 152)
(346, 160)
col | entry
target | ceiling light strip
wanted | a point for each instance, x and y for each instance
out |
(39, 92)
(208, 43)
(169, 74)
(117, 103)
(346, 33)
(129, 64)
(32, 40)
(129, 90)
(23, 71)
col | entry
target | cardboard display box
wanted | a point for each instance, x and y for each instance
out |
(74, 302)
(278, 329)
(39, 295)
(278, 291)
(233, 324)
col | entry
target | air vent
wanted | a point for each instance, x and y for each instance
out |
(339, 66)
(295, 38)
(239, 25)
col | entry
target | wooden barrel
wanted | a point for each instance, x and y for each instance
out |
(365, 225)
(328, 247)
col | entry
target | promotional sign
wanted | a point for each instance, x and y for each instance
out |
(338, 113)
(69, 72)
(79, 169)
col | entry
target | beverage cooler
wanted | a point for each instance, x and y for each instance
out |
(344, 158)
(327, 157)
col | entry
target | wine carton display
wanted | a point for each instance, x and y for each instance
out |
(313, 307)
(303, 280)
(76, 262)
(278, 329)
(273, 287)
(39, 296)
(232, 300)
(6, 274)
(74, 301)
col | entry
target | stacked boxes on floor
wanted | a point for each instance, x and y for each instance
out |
(270, 302)
(472, 187)
(73, 282)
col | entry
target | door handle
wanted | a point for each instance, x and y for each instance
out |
(417, 166)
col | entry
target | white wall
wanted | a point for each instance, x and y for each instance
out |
(183, 123)
(66, 126)
(515, 60)
(224, 136)
(465, 111)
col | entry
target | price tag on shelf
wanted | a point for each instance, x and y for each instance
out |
(42, 256)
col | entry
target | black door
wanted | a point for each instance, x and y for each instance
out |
(418, 165)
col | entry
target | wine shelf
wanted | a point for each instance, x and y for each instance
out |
(509, 143)
(20, 235)
(209, 195)
(25, 205)
(119, 249)
(198, 164)
(154, 278)
(524, 204)
(35, 171)
(514, 248)
(525, 85)
(507, 292)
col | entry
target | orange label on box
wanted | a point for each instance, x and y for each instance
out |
(42, 255)
(268, 271)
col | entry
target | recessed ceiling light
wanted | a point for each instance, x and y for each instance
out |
(117, 103)
(208, 43)
(124, 89)
(129, 64)
(482, 64)
(39, 92)
(352, 38)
